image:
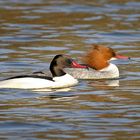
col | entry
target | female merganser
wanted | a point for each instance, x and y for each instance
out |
(97, 60)
(59, 80)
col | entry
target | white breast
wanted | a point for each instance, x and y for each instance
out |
(112, 70)
(65, 81)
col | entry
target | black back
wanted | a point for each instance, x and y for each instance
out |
(31, 76)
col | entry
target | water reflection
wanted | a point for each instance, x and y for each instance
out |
(104, 83)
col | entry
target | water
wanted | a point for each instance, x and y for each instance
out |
(32, 32)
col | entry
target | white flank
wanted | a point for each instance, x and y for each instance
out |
(36, 83)
(110, 71)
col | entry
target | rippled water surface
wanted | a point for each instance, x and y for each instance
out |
(32, 32)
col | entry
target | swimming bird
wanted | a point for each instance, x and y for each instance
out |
(59, 79)
(98, 62)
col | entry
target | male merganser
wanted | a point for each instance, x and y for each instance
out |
(60, 79)
(97, 59)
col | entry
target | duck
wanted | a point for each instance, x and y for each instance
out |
(59, 78)
(98, 62)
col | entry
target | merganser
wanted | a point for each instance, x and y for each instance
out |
(97, 59)
(60, 79)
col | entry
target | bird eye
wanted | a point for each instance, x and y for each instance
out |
(112, 51)
(68, 61)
